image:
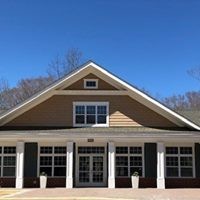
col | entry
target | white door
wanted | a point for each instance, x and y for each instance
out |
(91, 166)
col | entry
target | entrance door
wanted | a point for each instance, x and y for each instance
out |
(91, 166)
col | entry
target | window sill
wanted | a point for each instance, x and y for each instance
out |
(90, 125)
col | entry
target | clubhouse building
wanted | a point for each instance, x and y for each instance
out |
(92, 129)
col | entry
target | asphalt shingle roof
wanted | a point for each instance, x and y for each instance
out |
(99, 130)
(192, 115)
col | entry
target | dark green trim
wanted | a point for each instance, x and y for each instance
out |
(197, 159)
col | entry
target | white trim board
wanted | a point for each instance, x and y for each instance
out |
(84, 70)
(91, 92)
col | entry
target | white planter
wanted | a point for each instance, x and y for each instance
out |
(135, 181)
(43, 181)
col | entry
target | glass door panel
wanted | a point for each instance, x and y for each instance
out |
(84, 169)
(97, 171)
(91, 169)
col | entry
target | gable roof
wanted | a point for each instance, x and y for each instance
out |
(193, 115)
(2, 111)
(83, 70)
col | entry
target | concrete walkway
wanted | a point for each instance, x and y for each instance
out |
(104, 194)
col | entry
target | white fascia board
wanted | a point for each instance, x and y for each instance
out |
(149, 99)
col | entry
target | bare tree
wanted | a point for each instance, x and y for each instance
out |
(195, 72)
(25, 88)
(4, 91)
(175, 102)
(60, 66)
(193, 99)
(73, 59)
(3, 85)
(145, 91)
(187, 101)
(55, 68)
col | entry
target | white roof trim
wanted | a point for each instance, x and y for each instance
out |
(152, 103)
(181, 118)
(40, 94)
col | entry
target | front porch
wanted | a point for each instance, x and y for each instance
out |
(103, 158)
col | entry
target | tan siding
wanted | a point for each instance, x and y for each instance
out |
(102, 85)
(57, 111)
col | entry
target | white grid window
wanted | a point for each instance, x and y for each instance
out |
(7, 161)
(53, 160)
(179, 161)
(92, 150)
(129, 160)
(90, 83)
(90, 114)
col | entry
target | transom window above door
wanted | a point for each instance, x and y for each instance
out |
(90, 114)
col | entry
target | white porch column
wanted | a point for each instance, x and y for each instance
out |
(111, 165)
(20, 165)
(160, 165)
(69, 172)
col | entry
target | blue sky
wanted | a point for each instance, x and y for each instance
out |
(151, 44)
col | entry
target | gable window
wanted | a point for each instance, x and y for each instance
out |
(90, 83)
(90, 114)
(179, 161)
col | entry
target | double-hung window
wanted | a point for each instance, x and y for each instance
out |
(179, 161)
(53, 160)
(129, 160)
(90, 114)
(7, 161)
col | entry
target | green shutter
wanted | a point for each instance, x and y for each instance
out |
(30, 160)
(150, 156)
(197, 159)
